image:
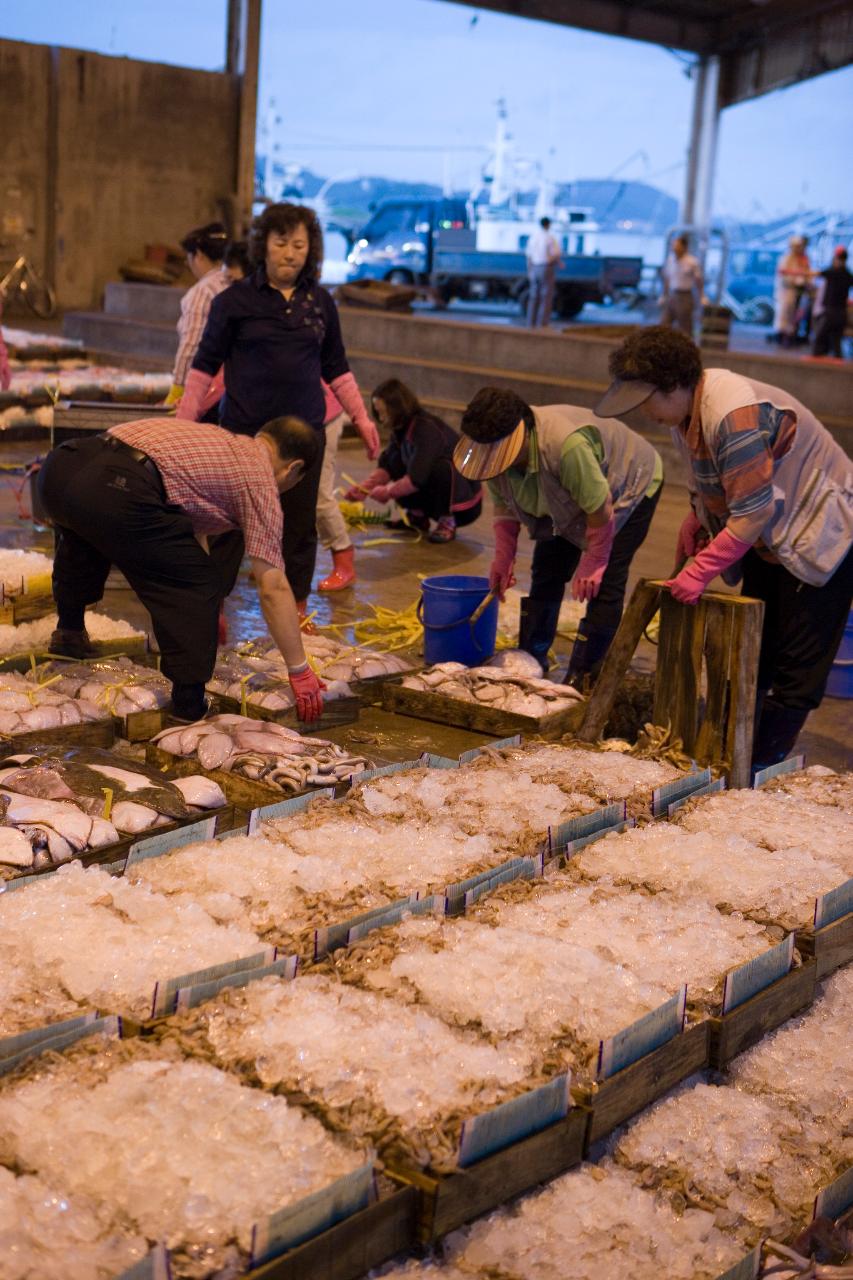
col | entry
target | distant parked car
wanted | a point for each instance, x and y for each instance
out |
(749, 283)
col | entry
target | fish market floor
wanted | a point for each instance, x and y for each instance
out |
(389, 568)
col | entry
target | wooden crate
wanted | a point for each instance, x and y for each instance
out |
(242, 792)
(614, 1101)
(831, 946)
(338, 712)
(448, 1202)
(352, 1247)
(91, 733)
(227, 818)
(141, 726)
(733, 1032)
(25, 608)
(477, 716)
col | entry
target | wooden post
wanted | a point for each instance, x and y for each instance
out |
(242, 57)
(641, 609)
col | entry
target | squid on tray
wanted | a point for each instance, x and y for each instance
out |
(262, 751)
(25, 706)
(504, 684)
(332, 659)
(117, 686)
(267, 687)
(52, 807)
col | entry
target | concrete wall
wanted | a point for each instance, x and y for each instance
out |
(111, 154)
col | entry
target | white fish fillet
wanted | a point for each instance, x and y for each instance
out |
(202, 792)
(15, 848)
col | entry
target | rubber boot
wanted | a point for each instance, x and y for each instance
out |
(306, 626)
(343, 571)
(588, 653)
(538, 627)
(778, 730)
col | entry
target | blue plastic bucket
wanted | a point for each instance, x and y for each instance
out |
(445, 609)
(840, 682)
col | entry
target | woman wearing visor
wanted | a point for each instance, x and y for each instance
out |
(585, 488)
(772, 499)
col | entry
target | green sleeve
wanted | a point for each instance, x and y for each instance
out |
(580, 469)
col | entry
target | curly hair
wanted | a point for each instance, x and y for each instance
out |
(664, 357)
(283, 219)
(494, 414)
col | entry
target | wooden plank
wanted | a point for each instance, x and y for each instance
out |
(745, 1025)
(710, 740)
(615, 1100)
(91, 733)
(352, 1247)
(242, 792)
(679, 668)
(26, 608)
(476, 715)
(746, 649)
(447, 1203)
(338, 712)
(639, 613)
(831, 946)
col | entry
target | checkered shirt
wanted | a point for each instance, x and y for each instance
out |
(221, 480)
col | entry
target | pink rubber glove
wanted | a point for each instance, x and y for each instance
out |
(346, 389)
(586, 583)
(5, 371)
(308, 687)
(357, 492)
(501, 577)
(402, 488)
(724, 551)
(692, 538)
(196, 390)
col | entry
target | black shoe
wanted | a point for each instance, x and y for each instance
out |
(204, 711)
(72, 644)
(778, 730)
(588, 653)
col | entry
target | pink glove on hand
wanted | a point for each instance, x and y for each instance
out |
(692, 537)
(586, 583)
(346, 389)
(501, 577)
(214, 394)
(5, 371)
(196, 388)
(307, 687)
(402, 488)
(357, 492)
(724, 551)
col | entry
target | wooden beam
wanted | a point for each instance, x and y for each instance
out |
(242, 55)
(666, 24)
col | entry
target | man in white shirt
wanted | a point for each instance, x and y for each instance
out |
(682, 286)
(543, 258)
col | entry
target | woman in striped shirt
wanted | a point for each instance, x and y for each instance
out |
(772, 499)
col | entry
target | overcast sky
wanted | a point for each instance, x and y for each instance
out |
(407, 89)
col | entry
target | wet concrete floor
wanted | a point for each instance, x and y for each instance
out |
(389, 568)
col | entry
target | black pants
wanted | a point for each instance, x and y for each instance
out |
(299, 543)
(109, 509)
(803, 627)
(555, 561)
(435, 498)
(830, 331)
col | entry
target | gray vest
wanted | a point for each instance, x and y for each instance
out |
(628, 467)
(811, 522)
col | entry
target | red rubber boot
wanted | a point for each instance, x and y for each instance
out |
(305, 623)
(343, 572)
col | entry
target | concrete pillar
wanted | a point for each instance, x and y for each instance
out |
(702, 151)
(242, 55)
